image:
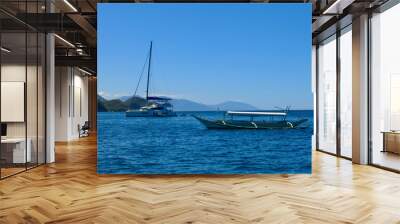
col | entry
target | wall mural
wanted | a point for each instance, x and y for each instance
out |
(226, 90)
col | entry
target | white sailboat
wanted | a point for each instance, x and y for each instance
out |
(156, 106)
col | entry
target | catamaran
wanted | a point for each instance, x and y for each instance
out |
(156, 106)
(274, 120)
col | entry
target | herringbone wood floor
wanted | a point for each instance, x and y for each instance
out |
(70, 191)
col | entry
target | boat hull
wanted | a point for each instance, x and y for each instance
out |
(234, 124)
(150, 113)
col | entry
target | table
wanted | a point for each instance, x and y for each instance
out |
(13, 150)
(391, 141)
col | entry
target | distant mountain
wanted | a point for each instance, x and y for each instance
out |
(187, 105)
(124, 98)
(135, 102)
(233, 105)
(100, 104)
(118, 105)
(115, 105)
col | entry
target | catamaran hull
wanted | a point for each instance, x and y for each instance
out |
(150, 114)
(221, 124)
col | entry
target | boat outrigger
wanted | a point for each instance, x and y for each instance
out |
(276, 120)
(156, 106)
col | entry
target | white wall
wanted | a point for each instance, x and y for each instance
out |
(14, 72)
(13, 101)
(17, 73)
(62, 82)
(71, 102)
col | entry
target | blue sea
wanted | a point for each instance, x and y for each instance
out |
(182, 145)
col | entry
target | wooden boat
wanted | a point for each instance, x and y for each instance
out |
(276, 120)
(156, 106)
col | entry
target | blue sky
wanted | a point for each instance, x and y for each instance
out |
(210, 53)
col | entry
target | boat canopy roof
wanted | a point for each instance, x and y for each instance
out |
(255, 113)
(161, 98)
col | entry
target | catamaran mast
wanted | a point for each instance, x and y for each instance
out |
(148, 71)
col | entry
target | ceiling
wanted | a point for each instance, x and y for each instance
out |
(75, 21)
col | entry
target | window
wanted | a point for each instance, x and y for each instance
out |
(22, 90)
(346, 92)
(385, 89)
(327, 95)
